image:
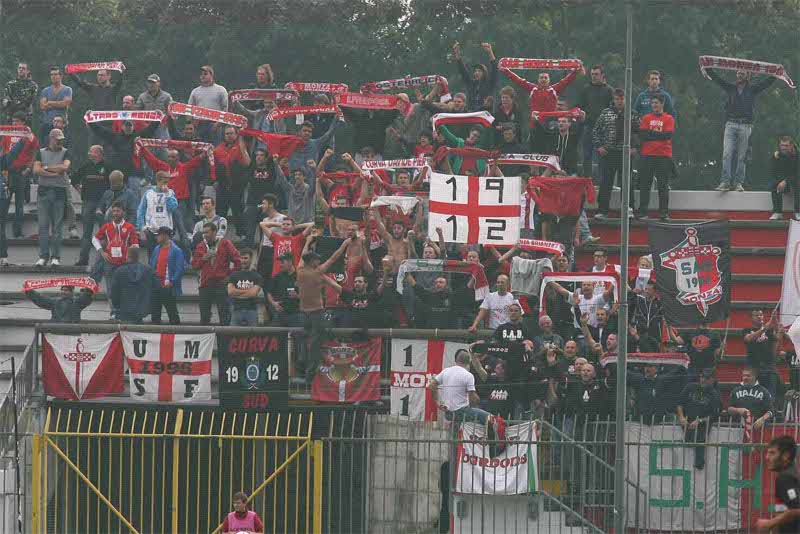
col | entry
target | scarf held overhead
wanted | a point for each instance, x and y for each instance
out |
(358, 100)
(205, 114)
(283, 145)
(574, 113)
(612, 278)
(410, 82)
(655, 358)
(539, 64)
(409, 163)
(484, 118)
(756, 67)
(74, 281)
(550, 247)
(561, 196)
(279, 113)
(249, 95)
(317, 87)
(404, 204)
(75, 68)
(175, 145)
(155, 115)
(15, 131)
(446, 266)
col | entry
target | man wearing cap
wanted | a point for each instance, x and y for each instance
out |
(132, 289)
(112, 242)
(209, 95)
(154, 98)
(480, 82)
(698, 407)
(65, 308)
(168, 262)
(51, 165)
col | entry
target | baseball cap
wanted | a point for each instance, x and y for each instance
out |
(165, 230)
(153, 78)
(56, 133)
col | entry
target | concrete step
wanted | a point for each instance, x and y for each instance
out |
(713, 204)
(12, 278)
(744, 260)
(743, 233)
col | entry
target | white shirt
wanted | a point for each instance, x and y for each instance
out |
(498, 308)
(265, 241)
(590, 306)
(455, 383)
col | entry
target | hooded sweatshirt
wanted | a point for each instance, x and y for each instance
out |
(131, 288)
(478, 90)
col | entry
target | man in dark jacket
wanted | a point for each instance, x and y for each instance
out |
(784, 173)
(121, 148)
(698, 407)
(131, 289)
(655, 392)
(751, 399)
(117, 192)
(65, 308)
(438, 305)
(480, 82)
(92, 181)
(593, 98)
(587, 399)
(740, 101)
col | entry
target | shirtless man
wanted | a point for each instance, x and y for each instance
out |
(356, 255)
(396, 242)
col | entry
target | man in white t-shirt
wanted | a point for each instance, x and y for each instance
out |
(495, 305)
(458, 395)
(586, 300)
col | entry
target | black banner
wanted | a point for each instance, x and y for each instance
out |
(253, 372)
(693, 270)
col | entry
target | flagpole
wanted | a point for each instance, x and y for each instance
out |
(622, 332)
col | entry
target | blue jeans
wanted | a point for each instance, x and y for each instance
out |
(89, 218)
(584, 232)
(19, 186)
(736, 140)
(51, 204)
(4, 205)
(469, 414)
(244, 317)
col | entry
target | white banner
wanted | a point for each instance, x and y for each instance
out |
(474, 209)
(169, 367)
(414, 363)
(674, 496)
(512, 472)
(790, 293)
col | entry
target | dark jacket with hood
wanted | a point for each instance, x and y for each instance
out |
(63, 309)
(131, 289)
(478, 90)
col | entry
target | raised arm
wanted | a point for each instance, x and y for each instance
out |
(522, 83)
(380, 226)
(334, 257)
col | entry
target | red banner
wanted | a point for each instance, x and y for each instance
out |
(205, 114)
(279, 113)
(155, 115)
(350, 372)
(539, 64)
(357, 100)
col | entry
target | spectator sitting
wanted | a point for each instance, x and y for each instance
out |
(751, 399)
(65, 308)
(132, 288)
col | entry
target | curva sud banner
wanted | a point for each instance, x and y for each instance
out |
(253, 373)
(693, 270)
(512, 472)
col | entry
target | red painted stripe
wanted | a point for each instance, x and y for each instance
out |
(740, 237)
(434, 367)
(166, 353)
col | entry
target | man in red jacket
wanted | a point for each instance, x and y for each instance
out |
(543, 96)
(112, 242)
(655, 132)
(217, 258)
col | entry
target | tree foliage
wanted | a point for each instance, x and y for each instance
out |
(360, 40)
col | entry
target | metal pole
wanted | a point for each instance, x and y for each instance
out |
(622, 334)
(17, 485)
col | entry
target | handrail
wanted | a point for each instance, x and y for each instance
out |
(585, 523)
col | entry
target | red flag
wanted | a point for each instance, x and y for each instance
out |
(561, 196)
(283, 145)
(82, 367)
(350, 372)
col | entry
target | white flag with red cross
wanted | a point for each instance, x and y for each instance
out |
(169, 367)
(82, 367)
(474, 209)
(414, 363)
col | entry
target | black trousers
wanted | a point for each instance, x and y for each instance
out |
(164, 297)
(218, 296)
(698, 435)
(610, 169)
(661, 169)
(777, 198)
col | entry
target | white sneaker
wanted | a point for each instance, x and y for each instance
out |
(740, 188)
(796, 216)
(4, 262)
(630, 213)
(41, 263)
(73, 233)
(55, 262)
(723, 188)
(776, 217)
(600, 217)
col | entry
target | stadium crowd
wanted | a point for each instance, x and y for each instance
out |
(294, 229)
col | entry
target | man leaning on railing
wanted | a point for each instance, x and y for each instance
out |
(458, 396)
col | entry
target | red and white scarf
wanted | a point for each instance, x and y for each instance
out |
(405, 204)
(279, 113)
(75, 68)
(447, 266)
(10, 130)
(359, 100)
(142, 142)
(551, 247)
(249, 95)
(409, 163)
(155, 115)
(484, 118)
(574, 113)
(410, 82)
(612, 278)
(205, 114)
(539, 64)
(318, 87)
(534, 160)
(655, 358)
(74, 281)
(748, 65)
